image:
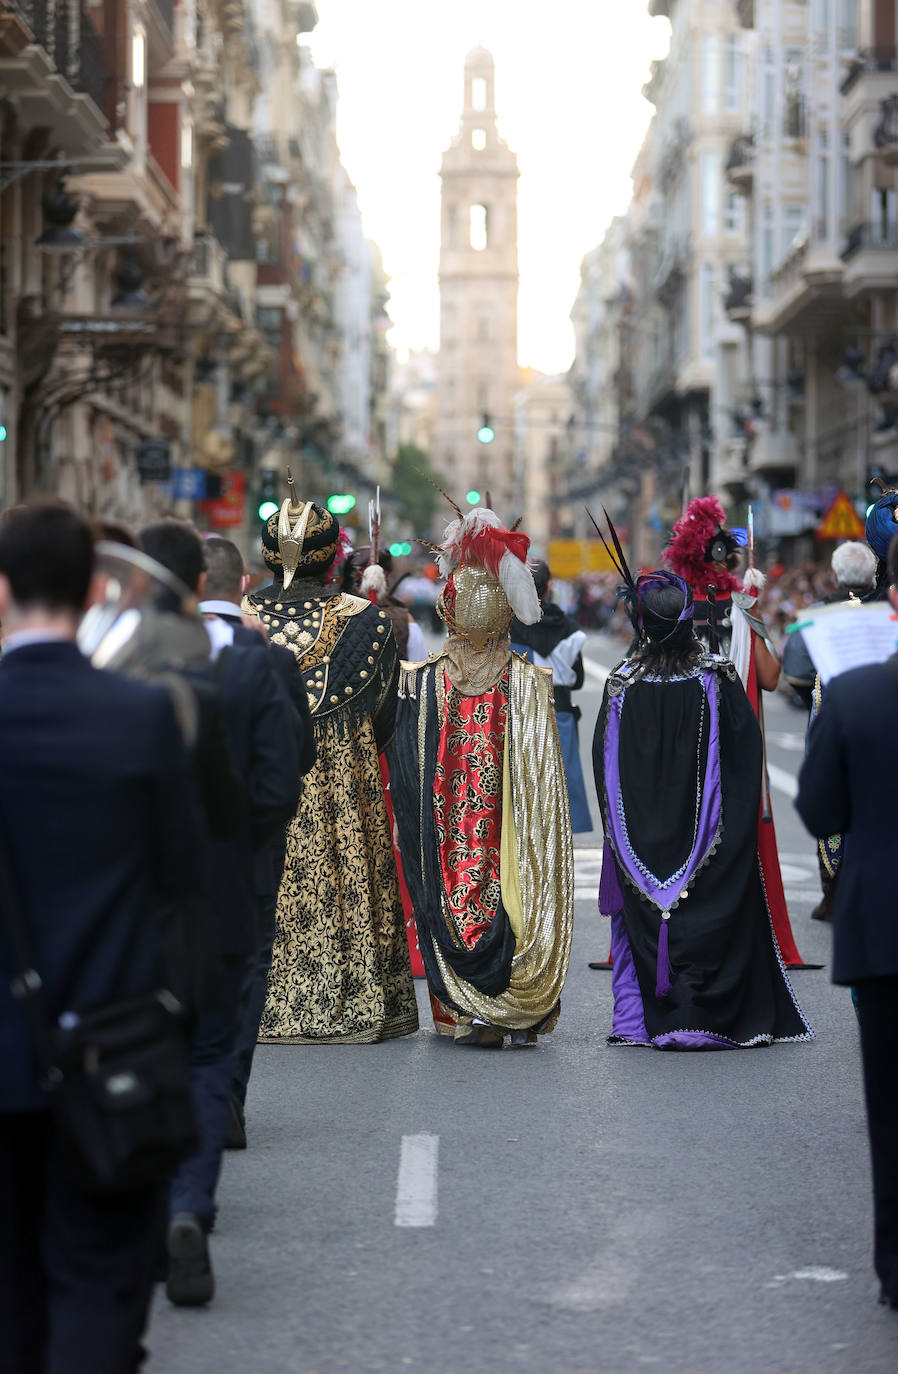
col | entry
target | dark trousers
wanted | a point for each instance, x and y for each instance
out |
(253, 995)
(75, 1269)
(211, 1067)
(877, 1009)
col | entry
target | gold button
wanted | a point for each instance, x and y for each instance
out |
(348, 691)
(376, 644)
(380, 629)
(326, 659)
(363, 673)
(307, 623)
(279, 607)
(308, 605)
(291, 610)
(370, 658)
(382, 614)
(335, 698)
(267, 619)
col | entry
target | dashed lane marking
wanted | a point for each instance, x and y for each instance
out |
(416, 1186)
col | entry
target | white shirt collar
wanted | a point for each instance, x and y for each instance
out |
(20, 639)
(220, 608)
(221, 635)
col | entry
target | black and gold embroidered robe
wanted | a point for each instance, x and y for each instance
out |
(340, 970)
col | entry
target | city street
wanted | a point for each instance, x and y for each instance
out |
(413, 1205)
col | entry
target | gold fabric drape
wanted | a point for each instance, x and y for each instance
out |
(534, 777)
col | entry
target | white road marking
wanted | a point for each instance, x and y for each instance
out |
(593, 669)
(416, 1186)
(792, 874)
(782, 781)
(816, 1273)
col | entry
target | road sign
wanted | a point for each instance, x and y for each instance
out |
(188, 484)
(571, 558)
(841, 521)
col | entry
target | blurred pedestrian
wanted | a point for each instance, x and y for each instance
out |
(846, 786)
(555, 642)
(340, 970)
(96, 819)
(854, 568)
(222, 607)
(261, 738)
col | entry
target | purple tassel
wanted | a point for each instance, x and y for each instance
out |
(663, 974)
(611, 898)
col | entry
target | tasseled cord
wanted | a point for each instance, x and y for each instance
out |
(663, 971)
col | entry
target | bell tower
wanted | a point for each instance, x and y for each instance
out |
(478, 358)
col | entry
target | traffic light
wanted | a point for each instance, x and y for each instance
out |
(2, 433)
(340, 504)
(486, 434)
(401, 550)
(472, 497)
(268, 494)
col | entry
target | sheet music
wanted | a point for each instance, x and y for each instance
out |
(849, 635)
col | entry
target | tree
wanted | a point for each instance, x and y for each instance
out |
(413, 489)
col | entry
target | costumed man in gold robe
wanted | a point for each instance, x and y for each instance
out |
(479, 792)
(340, 968)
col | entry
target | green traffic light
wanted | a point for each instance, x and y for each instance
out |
(340, 504)
(267, 509)
(406, 549)
(472, 498)
(396, 550)
(486, 434)
(2, 433)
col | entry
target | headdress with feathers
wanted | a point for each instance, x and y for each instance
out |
(645, 620)
(688, 551)
(480, 538)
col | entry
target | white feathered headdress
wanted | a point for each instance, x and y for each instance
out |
(480, 537)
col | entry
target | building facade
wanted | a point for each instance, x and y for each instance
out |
(478, 368)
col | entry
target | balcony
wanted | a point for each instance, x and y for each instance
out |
(740, 163)
(870, 255)
(870, 61)
(206, 284)
(51, 62)
(738, 301)
(671, 272)
(805, 290)
(885, 134)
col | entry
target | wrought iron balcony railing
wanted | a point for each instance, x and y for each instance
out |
(878, 235)
(64, 30)
(883, 58)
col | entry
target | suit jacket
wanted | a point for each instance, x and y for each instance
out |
(290, 676)
(847, 786)
(262, 740)
(96, 805)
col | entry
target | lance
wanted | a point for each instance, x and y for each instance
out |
(766, 813)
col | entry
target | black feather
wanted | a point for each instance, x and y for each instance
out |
(618, 559)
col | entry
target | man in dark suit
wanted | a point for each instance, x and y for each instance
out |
(222, 594)
(262, 740)
(96, 817)
(846, 786)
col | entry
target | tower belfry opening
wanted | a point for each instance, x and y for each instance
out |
(478, 295)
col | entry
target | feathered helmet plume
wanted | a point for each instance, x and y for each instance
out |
(700, 543)
(480, 538)
(633, 592)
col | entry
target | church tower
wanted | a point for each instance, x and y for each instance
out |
(478, 360)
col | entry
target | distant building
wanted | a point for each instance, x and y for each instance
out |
(478, 368)
(542, 453)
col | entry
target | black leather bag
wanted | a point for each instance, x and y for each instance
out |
(117, 1076)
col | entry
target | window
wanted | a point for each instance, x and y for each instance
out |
(710, 193)
(792, 227)
(769, 99)
(710, 74)
(732, 213)
(138, 58)
(848, 26)
(766, 245)
(732, 73)
(478, 92)
(186, 146)
(706, 309)
(479, 227)
(478, 140)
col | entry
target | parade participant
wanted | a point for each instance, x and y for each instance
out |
(555, 642)
(706, 554)
(677, 759)
(340, 963)
(481, 803)
(880, 529)
(847, 786)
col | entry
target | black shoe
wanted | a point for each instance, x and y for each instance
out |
(236, 1136)
(190, 1281)
(886, 1301)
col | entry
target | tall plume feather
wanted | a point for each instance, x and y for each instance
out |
(617, 557)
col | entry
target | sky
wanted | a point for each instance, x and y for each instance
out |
(569, 75)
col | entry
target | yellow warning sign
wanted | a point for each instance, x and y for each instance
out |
(841, 521)
(571, 558)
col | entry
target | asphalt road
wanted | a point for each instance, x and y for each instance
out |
(418, 1206)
